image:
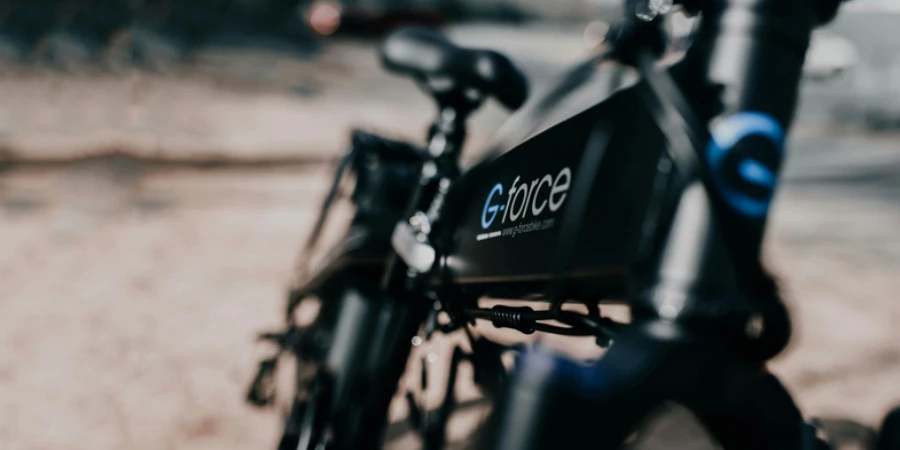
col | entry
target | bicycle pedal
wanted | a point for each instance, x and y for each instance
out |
(262, 389)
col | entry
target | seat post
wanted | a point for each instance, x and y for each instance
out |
(447, 133)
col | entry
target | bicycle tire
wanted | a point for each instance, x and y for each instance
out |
(889, 433)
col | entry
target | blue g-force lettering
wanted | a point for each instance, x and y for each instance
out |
(491, 208)
(528, 199)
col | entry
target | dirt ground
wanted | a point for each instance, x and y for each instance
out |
(130, 293)
(130, 297)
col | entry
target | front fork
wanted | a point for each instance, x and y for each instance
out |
(367, 356)
(357, 372)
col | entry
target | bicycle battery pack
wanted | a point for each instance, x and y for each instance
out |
(503, 230)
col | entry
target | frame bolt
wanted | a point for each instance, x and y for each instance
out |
(755, 326)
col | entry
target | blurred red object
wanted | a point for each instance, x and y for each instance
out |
(326, 17)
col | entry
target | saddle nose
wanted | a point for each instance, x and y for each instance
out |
(442, 67)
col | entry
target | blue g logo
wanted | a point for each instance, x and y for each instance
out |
(489, 213)
(743, 156)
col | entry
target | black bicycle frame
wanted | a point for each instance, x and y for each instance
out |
(501, 221)
(645, 198)
(741, 76)
(504, 217)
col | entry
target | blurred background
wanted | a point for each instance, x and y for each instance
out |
(161, 162)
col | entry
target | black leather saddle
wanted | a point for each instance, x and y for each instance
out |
(444, 69)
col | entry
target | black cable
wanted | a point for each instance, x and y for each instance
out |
(329, 199)
(527, 320)
(562, 331)
(605, 326)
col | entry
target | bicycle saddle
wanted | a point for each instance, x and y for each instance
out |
(444, 69)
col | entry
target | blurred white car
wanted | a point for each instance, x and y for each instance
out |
(889, 6)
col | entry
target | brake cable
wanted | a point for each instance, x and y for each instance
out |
(329, 199)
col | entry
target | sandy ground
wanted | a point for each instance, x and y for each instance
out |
(130, 297)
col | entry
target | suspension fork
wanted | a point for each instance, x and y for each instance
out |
(364, 363)
(387, 349)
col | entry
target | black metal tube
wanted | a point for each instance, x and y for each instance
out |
(367, 359)
(353, 330)
(741, 76)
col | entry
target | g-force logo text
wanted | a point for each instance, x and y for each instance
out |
(524, 201)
